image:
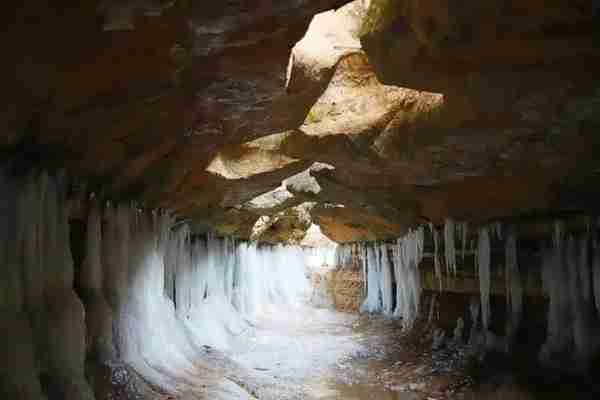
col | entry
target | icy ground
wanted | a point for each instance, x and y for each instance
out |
(289, 349)
(319, 354)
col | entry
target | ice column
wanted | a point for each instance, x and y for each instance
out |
(449, 245)
(98, 316)
(18, 367)
(387, 280)
(483, 252)
(436, 260)
(408, 253)
(515, 289)
(373, 301)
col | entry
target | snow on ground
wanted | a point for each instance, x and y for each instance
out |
(290, 347)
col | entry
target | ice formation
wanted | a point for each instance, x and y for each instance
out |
(154, 295)
(42, 316)
(401, 270)
(408, 254)
(18, 363)
(365, 268)
(206, 291)
(436, 260)
(475, 310)
(514, 295)
(387, 280)
(497, 229)
(463, 229)
(449, 245)
(321, 252)
(322, 256)
(573, 326)
(483, 259)
(596, 275)
(344, 255)
(372, 265)
(98, 316)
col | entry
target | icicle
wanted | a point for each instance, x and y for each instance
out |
(386, 281)
(363, 256)
(462, 230)
(483, 252)
(98, 315)
(122, 233)
(183, 282)
(343, 255)
(476, 263)
(373, 301)
(91, 274)
(558, 234)
(554, 279)
(436, 260)
(515, 289)
(584, 270)
(408, 254)
(449, 245)
(432, 308)
(596, 275)
(475, 309)
(497, 228)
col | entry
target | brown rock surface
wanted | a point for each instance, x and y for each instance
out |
(422, 109)
(347, 289)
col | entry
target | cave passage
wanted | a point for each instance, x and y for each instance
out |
(300, 200)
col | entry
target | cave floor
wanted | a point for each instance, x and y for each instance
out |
(319, 354)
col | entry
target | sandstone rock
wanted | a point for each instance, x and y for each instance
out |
(424, 109)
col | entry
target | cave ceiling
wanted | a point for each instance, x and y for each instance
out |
(366, 118)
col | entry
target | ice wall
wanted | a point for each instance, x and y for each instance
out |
(205, 290)
(152, 296)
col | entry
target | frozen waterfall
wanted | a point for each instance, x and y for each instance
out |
(154, 294)
(394, 267)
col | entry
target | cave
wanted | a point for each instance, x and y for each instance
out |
(285, 200)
